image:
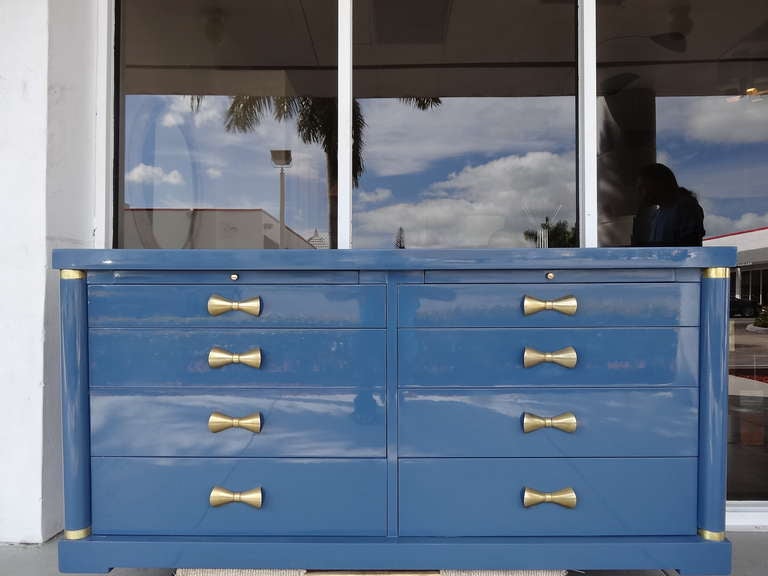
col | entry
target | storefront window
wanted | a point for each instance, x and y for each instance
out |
(467, 124)
(227, 124)
(685, 84)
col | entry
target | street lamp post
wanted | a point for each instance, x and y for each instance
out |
(282, 158)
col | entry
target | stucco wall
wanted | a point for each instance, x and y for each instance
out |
(48, 78)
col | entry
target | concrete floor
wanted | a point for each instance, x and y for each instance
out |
(750, 558)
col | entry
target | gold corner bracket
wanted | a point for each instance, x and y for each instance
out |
(719, 273)
(67, 274)
(77, 534)
(711, 536)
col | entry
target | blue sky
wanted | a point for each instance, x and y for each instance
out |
(472, 172)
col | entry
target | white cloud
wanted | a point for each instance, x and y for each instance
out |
(180, 110)
(717, 120)
(716, 225)
(377, 196)
(143, 173)
(400, 139)
(489, 205)
(713, 119)
(213, 173)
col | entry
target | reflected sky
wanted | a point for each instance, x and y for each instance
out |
(176, 157)
(472, 172)
(717, 146)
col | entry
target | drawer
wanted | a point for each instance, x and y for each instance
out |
(319, 306)
(334, 358)
(166, 496)
(174, 422)
(501, 305)
(484, 497)
(609, 422)
(494, 357)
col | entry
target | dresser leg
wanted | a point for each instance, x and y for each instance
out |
(75, 405)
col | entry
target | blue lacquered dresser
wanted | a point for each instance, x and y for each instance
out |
(398, 410)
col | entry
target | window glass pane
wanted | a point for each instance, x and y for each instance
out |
(466, 123)
(685, 84)
(228, 120)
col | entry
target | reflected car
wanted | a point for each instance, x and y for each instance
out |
(744, 308)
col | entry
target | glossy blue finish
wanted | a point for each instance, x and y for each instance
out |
(488, 423)
(281, 306)
(689, 554)
(335, 358)
(300, 497)
(494, 357)
(74, 405)
(483, 497)
(550, 259)
(340, 423)
(501, 305)
(375, 432)
(713, 423)
(561, 276)
(223, 277)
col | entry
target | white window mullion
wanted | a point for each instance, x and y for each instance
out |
(345, 125)
(103, 149)
(587, 97)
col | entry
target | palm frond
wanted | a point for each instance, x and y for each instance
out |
(246, 112)
(422, 103)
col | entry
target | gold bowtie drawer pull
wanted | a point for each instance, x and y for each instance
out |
(566, 305)
(565, 497)
(565, 422)
(218, 305)
(218, 422)
(565, 357)
(221, 496)
(219, 357)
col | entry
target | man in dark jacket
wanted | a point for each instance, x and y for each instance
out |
(669, 214)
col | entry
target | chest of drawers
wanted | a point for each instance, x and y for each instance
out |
(398, 410)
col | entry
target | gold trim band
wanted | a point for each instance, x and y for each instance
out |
(716, 273)
(711, 536)
(77, 534)
(72, 274)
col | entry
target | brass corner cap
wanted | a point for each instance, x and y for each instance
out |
(77, 534)
(715, 273)
(67, 274)
(711, 536)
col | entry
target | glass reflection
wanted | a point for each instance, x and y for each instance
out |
(468, 116)
(228, 124)
(686, 84)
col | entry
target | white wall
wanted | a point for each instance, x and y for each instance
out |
(52, 178)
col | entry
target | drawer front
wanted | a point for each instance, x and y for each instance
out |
(334, 358)
(494, 357)
(484, 497)
(500, 305)
(489, 423)
(281, 306)
(165, 496)
(174, 422)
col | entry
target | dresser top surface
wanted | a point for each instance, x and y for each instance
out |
(412, 259)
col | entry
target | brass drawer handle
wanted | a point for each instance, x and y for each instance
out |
(221, 496)
(565, 357)
(218, 305)
(219, 357)
(565, 305)
(565, 422)
(218, 422)
(565, 497)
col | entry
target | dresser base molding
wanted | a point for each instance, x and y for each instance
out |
(260, 572)
(686, 554)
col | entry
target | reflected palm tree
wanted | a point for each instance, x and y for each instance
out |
(316, 123)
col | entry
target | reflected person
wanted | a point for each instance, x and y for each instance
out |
(669, 214)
